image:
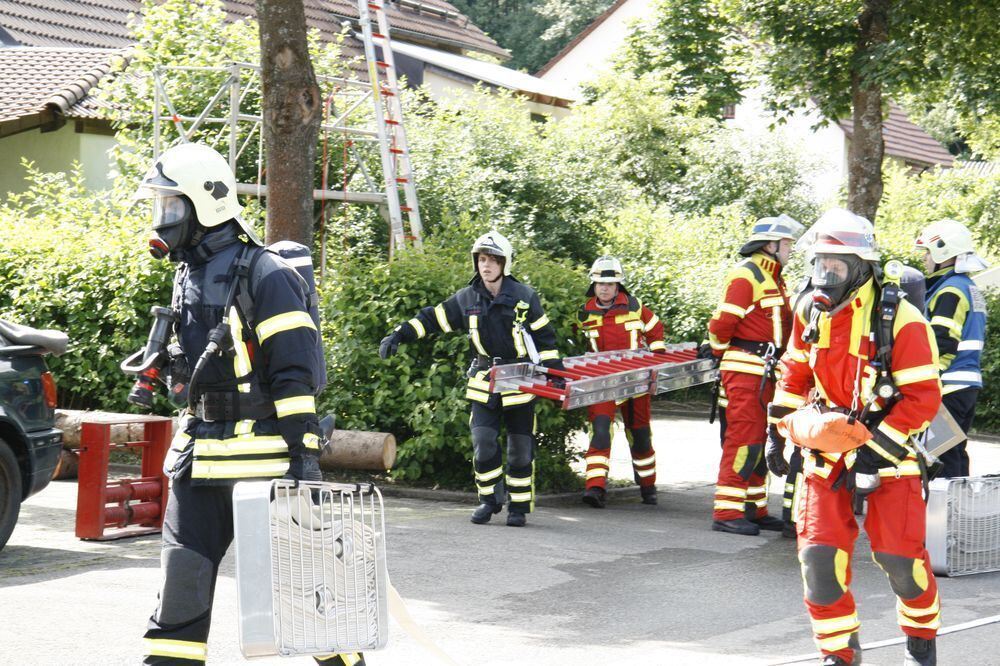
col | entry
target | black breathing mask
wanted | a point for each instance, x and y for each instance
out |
(834, 277)
(175, 226)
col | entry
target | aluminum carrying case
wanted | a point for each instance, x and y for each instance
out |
(310, 567)
(963, 525)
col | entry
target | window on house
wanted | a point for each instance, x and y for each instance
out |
(729, 112)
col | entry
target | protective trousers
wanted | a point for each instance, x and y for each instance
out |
(896, 528)
(519, 482)
(635, 414)
(741, 489)
(793, 486)
(197, 532)
(962, 406)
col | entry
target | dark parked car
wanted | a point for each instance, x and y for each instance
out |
(29, 442)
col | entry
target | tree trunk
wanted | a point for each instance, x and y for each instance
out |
(864, 159)
(291, 108)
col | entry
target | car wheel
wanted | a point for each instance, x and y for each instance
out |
(10, 492)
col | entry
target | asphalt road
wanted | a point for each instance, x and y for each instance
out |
(627, 584)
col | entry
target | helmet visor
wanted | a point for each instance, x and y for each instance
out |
(170, 210)
(831, 270)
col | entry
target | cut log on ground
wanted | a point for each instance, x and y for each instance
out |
(355, 449)
(69, 420)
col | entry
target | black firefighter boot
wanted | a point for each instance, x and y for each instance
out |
(484, 512)
(736, 526)
(648, 494)
(595, 496)
(920, 652)
(516, 519)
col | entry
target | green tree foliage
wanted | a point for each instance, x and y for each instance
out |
(76, 262)
(419, 394)
(690, 45)
(534, 31)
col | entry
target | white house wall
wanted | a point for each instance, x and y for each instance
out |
(591, 56)
(440, 87)
(825, 148)
(55, 151)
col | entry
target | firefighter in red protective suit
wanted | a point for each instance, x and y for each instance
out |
(614, 319)
(853, 340)
(748, 332)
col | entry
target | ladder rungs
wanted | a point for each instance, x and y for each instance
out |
(382, 64)
(402, 180)
(390, 121)
(388, 93)
(406, 209)
(397, 151)
(378, 35)
(374, 5)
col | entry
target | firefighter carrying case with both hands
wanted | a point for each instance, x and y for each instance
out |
(310, 568)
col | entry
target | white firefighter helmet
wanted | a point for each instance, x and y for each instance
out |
(945, 239)
(607, 269)
(204, 177)
(496, 244)
(840, 231)
(768, 229)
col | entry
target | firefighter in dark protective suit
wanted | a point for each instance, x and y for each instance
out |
(252, 412)
(505, 324)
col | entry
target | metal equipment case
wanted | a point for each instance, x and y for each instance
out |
(963, 525)
(310, 567)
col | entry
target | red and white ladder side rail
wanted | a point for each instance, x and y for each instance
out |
(395, 151)
(605, 376)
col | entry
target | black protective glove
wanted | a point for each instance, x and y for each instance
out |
(705, 351)
(774, 452)
(389, 345)
(304, 467)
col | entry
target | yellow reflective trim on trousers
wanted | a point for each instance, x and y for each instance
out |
(835, 625)
(300, 404)
(723, 505)
(538, 323)
(474, 334)
(548, 355)
(517, 399)
(490, 475)
(597, 460)
(746, 368)
(518, 481)
(731, 491)
(164, 647)
(835, 643)
(841, 561)
(442, 318)
(915, 374)
(243, 444)
(486, 490)
(521, 497)
(643, 473)
(905, 621)
(284, 322)
(238, 469)
(349, 659)
(418, 326)
(935, 607)
(741, 458)
(241, 358)
(644, 461)
(597, 472)
(731, 309)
